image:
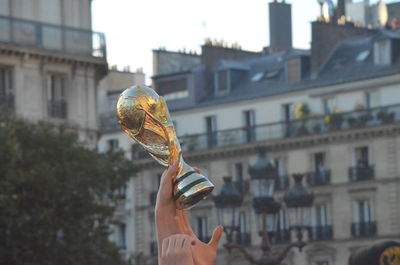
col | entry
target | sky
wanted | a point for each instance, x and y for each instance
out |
(134, 28)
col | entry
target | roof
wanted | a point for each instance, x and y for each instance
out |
(350, 61)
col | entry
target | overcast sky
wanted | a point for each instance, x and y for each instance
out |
(133, 28)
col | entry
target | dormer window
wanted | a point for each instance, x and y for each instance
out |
(383, 52)
(222, 83)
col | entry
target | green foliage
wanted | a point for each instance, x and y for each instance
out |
(56, 197)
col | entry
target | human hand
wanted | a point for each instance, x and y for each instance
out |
(177, 250)
(170, 221)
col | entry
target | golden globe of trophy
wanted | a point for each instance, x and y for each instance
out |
(144, 116)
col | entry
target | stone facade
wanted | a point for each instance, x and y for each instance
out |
(51, 63)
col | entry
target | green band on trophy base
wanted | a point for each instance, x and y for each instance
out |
(183, 177)
(188, 187)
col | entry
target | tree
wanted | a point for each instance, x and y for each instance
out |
(57, 197)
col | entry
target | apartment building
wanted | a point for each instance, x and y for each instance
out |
(332, 116)
(51, 63)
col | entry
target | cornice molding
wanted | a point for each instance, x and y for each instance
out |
(50, 56)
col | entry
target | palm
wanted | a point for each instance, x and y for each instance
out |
(203, 253)
(170, 221)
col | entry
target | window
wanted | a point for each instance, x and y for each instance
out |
(363, 218)
(329, 104)
(320, 175)
(112, 145)
(382, 52)
(361, 157)
(57, 106)
(202, 229)
(281, 182)
(249, 125)
(294, 69)
(321, 215)
(363, 55)
(222, 81)
(6, 90)
(211, 130)
(257, 77)
(5, 81)
(243, 236)
(372, 99)
(362, 211)
(321, 225)
(121, 236)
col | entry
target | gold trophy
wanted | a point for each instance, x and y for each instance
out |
(144, 116)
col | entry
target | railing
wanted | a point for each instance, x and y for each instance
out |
(319, 178)
(52, 37)
(281, 183)
(321, 232)
(7, 103)
(365, 229)
(293, 128)
(57, 108)
(277, 130)
(243, 239)
(153, 248)
(281, 236)
(361, 173)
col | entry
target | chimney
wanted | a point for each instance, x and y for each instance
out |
(280, 26)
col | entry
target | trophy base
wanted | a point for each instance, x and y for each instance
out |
(190, 189)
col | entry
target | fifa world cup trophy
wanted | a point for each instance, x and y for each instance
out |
(144, 116)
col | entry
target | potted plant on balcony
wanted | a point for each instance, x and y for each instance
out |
(334, 120)
(302, 112)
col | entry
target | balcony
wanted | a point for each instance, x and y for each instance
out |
(361, 173)
(57, 108)
(292, 129)
(52, 37)
(321, 232)
(280, 236)
(243, 239)
(7, 103)
(364, 229)
(319, 178)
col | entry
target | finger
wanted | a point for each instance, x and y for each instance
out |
(180, 241)
(216, 237)
(167, 179)
(188, 241)
(197, 170)
(171, 245)
(164, 247)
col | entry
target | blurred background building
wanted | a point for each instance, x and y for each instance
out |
(51, 62)
(331, 113)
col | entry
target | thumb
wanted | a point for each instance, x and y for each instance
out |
(168, 175)
(216, 237)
